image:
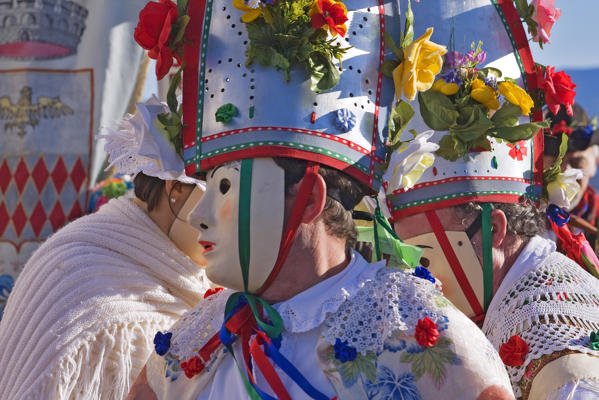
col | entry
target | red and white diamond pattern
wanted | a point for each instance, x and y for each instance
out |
(38, 195)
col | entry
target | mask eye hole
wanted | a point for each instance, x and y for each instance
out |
(224, 185)
(425, 262)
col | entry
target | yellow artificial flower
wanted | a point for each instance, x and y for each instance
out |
(517, 96)
(484, 94)
(250, 13)
(422, 61)
(447, 89)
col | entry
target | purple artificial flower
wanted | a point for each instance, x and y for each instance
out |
(491, 81)
(476, 56)
(452, 76)
(454, 59)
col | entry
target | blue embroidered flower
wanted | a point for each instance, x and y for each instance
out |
(443, 324)
(389, 386)
(344, 352)
(162, 342)
(6, 284)
(346, 120)
(394, 344)
(424, 273)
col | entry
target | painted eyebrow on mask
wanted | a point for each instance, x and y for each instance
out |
(217, 167)
(423, 246)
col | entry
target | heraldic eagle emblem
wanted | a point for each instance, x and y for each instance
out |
(26, 113)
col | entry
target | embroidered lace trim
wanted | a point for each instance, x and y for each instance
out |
(394, 300)
(554, 307)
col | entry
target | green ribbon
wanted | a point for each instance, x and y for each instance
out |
(487, 255)
(386, 241)
(245, 197)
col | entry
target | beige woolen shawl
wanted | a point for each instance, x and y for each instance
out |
(81, 319)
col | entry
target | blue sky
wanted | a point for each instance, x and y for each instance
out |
(574, 38)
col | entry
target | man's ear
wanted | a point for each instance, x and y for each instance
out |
(498, 227)
(317, 200)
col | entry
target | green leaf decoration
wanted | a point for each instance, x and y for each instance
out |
(182, 6)
(399, 118)
(472, 124)
(323, 74)
(179, 30)
(431, 360)
(171, 95)
(170, 126)
(390, 44)
(114, 190)
(388, 67)
(551, 174)
(494, 163)
(408, 34)
(492, 72)
(520, 132)
(283, 38)
(507, 116)
(226, 113)
(451, 148)
(437, 110)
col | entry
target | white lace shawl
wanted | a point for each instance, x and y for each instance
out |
(80, 321)
(552, 307)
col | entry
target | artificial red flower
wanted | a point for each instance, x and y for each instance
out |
(212, 291)
(331, 13)
(153, 31)
(512, 353)
(192, 367)
(426, 332)
(518, 150)
(558, 88)
(560, 128)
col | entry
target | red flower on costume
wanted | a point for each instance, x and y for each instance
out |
(426, 332)
(560, 128)
(331, 13)
(512, 353)
(153, 32)
(558, 88)
(212, 291)
(192, 367)
(518, 150)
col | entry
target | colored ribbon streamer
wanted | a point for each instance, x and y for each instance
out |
(245, 197)
(487, 255)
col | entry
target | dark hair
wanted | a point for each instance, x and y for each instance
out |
(148, 189)
(337, 219)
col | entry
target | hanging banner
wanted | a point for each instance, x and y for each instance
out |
(66, 69)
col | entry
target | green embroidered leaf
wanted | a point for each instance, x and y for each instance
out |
(399, 118)
(437, 110)
(507, 116)
(520, 132)
(364, 365)
(388, 67)
(431, 360)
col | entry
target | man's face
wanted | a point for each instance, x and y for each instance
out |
(416, 230)
(217, 216)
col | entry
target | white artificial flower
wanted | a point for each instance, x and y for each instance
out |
(562, 191)
(409, 162)
(137, 145)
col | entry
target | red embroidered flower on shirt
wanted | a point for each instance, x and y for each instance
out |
(192, 367)
(426, 332)
(212, 291)
(512, 353)
(518, 150)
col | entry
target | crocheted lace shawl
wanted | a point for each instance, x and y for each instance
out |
(554, 306)
(80, 320)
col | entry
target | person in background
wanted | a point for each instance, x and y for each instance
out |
(78, 323)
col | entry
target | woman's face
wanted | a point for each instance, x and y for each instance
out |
(217, 216)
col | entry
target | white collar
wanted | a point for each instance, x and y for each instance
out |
(536, 250)
(308, 309)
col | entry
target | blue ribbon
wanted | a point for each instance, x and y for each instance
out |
(558, 216)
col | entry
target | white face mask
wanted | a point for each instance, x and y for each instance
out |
(454, 289)
(217, 218)
(184, 235)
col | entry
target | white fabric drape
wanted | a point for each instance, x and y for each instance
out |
(80, 321)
